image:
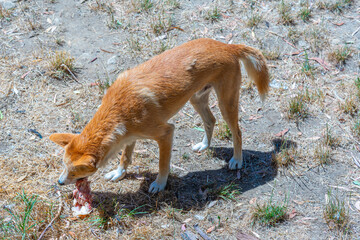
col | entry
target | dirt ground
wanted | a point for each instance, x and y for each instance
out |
(107, 37)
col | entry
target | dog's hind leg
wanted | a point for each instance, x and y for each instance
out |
(227, 91)
(164, 139)
(200, 102)
(125, 161)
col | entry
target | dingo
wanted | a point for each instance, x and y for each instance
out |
(142, 100)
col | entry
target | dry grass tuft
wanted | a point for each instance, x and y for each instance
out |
(356, 128)
(61, 65)
(340, 55)
(322, 154)
(286, 156)
(316, 36)
(142, 5)
(4, 13)
(271, 54)
(357, 87)
(349, 105)
(336, 214)
(329, 138)
(254, 19)
(286, 17)
(297, 108)
(161, 24)
(293, 34)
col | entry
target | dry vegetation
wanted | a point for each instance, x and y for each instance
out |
(300, 178)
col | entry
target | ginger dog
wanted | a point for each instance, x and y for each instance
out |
(140, 102)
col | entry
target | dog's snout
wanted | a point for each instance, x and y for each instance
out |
(60, 182)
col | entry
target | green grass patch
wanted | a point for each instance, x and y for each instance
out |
(24, 217)
(270, 213)
(307, 69)
(213, 14)
(305, 13)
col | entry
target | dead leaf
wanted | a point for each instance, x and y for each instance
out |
(72, 234)
(104, 50)
(252, 201)
(21, 178)
(211, 204)
(224, 16)
(183, 227)
(254, 117)
(342, 120)
(292, 214)
(25, 74)
(298, 202)
(282, 133)
(210, 229)
(187, 220)
(228, 37)
(314, 138)
(357, 205)
(296, 53)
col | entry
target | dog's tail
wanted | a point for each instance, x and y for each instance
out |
(255, 65)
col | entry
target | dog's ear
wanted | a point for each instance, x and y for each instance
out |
(62, 139)
(87, 161)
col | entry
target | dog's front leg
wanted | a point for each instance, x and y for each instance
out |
(125, 161)
(165, 144)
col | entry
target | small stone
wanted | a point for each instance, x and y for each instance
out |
(112, 60)
(7, 4)
(199, 217)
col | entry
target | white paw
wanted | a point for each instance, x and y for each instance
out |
(156, 187)
(235, 163)
(200, 147)
(115, 175)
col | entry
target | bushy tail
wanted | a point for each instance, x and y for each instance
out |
(255, 65)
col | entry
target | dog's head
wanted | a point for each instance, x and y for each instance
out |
(77, 164)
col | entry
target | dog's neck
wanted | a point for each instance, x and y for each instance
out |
(101, 134)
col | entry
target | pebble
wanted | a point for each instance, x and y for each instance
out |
(199, 217)
(7, 4)
(112, 60)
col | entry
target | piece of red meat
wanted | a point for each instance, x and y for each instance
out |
(82, 198)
